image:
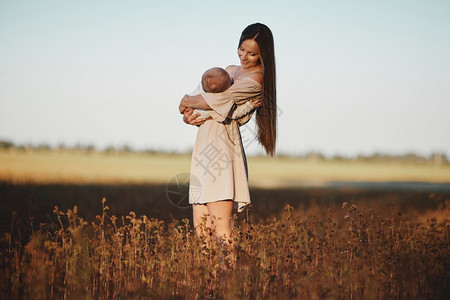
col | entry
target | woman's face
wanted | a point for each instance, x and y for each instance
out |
(248, 53)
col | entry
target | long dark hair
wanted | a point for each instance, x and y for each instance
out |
(266, 114)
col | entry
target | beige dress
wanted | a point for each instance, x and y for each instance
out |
(218, 165)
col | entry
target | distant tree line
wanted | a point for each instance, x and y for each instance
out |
(435, 158)
(86, 148)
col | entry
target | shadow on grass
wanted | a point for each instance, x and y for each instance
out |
(36, 201)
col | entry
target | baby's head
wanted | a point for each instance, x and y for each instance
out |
(216, 80)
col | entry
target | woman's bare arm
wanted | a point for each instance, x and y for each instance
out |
(196, 101)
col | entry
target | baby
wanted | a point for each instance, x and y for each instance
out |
(216, 80)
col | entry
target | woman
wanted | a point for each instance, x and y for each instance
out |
(218, 166)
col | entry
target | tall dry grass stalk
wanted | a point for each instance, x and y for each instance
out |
(317, 252)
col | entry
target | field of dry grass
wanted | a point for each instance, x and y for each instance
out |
(58, 239)
(345, 251)
(81, 167)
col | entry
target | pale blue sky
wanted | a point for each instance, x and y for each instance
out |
(353, 76)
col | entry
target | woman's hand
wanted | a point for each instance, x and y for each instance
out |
(182, 107)
(255, 103)
(191, 118)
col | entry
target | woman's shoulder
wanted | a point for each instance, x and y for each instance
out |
(256, 76)
(253, 77)
(234, 72)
